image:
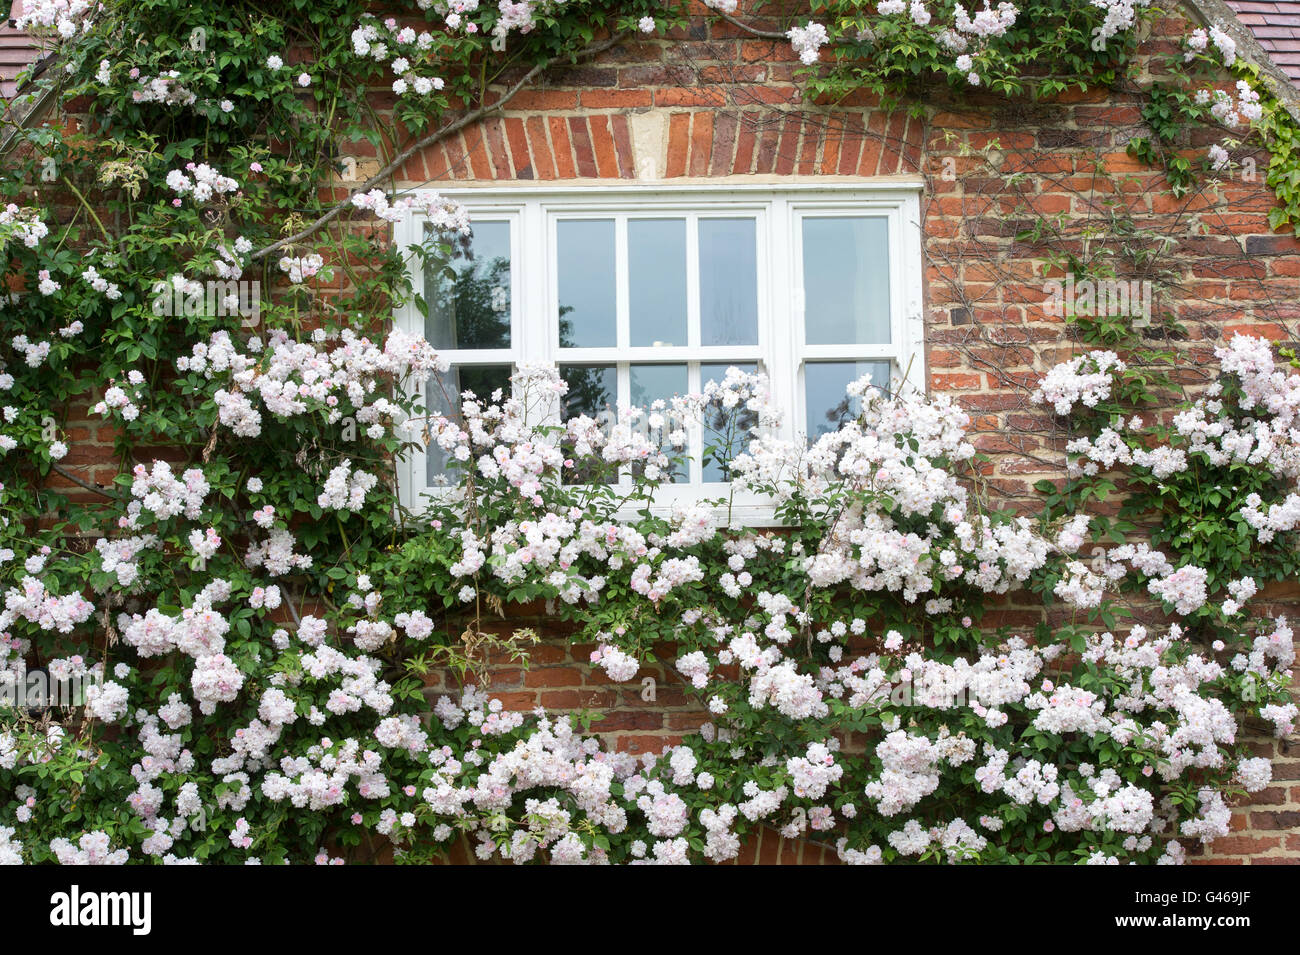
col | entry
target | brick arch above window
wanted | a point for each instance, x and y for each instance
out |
(665, 145)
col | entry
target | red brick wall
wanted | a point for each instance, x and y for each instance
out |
(712, 103)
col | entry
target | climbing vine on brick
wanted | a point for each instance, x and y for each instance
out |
(245, 615)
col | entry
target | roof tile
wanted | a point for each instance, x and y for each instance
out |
(1276, 25)
(17, 50)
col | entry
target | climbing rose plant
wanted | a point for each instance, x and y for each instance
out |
(251, 614)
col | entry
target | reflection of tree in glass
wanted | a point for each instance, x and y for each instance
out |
(566, 327)
(589, 391)
(726, 432)
(471, 307)
(678, 469)
(848, 409)
(444, 397)
(593, 391)
(840, 414)
(483, 380)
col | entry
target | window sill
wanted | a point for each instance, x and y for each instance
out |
(745, 510)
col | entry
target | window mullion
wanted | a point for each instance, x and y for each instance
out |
(907, 243)
(624, 399)
(695, 436)
(411, 478)
(539, 329)
(897, 292)
(785, 327)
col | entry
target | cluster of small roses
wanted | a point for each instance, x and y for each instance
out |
(316, 780)
(62, 18)
(116, 398)
(93, 848)
(619, 666)
(1091, 456)
(34, 353)
(735, 392)
(411, 54)
(384, 41)
(1270, 520)
(90, 275)
(13, 658)
(200, 182)
(346, 489)
(1251, 417)
(22, 224)
(808, 41)
(889, 465)
(11, 850)
(107, 700)
(485, 791)
(291, 377)
(517, 460)
(1175, 675)
(1247, 106)
(32, 601)
(1184, 588)
(163, 495)
(446, 216)
(1267, 392)
(987, 23)
(1120, 15)
(300, 268)
(872, 452)
(165, 88)
(1085, 380)
(1199, 40)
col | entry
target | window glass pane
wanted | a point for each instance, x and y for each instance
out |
(585, 262)
(825, 383)
(654, 382)
(650, 383)
(846, 280)
(468, 294)
(728, 282)
(442, 396)
(656, 254)
(725, 435)
(593, 391)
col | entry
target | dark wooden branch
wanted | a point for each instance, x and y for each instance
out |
(433, 137)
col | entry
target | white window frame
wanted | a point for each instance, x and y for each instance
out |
(779, 208)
